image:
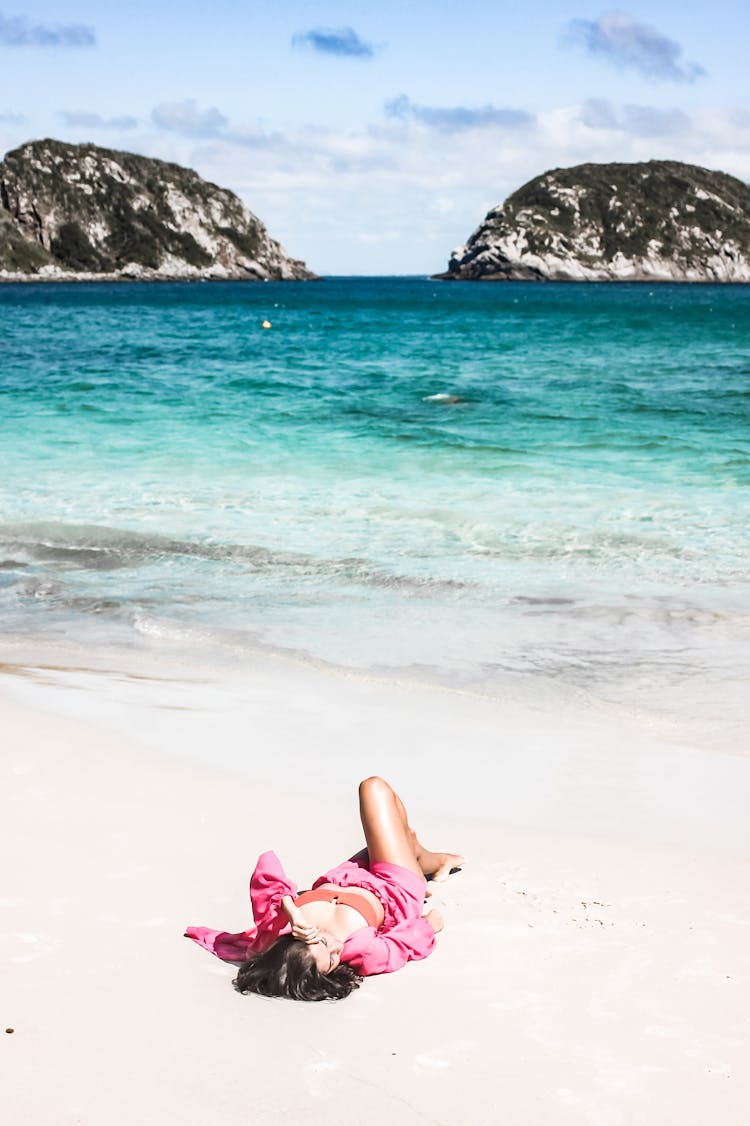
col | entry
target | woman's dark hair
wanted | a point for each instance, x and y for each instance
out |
(288, 969)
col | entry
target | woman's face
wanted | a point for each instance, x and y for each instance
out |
(327, 951)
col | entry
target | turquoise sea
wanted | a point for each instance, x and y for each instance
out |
(531, 488)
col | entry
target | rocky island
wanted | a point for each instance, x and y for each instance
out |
(656, 221)
(80, 212)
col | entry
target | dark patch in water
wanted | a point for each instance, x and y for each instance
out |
(107, 549)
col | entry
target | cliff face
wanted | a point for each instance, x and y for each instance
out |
(659, 221)
(79, 211)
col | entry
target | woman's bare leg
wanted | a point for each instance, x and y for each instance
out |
(391, 840)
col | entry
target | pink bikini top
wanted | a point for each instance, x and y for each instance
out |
(350, 897)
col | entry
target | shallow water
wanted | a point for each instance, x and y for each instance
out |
(516, 488)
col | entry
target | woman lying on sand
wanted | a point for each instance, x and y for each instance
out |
(362, 917)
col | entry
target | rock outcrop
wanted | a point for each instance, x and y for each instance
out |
(82, 212)
(658, 221)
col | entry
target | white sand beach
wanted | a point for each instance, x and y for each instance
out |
(594, 967)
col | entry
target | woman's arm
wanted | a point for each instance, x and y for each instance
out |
(301, 929)
(381, 952)
(268, 884)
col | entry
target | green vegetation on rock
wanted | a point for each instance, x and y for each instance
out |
(18, 254)
(71, 247)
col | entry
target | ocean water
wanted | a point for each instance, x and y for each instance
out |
(526, 488)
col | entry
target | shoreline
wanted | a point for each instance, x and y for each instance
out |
(96, 279)
(18, 279)
(535, 768)
(579, 979)
(571, 766)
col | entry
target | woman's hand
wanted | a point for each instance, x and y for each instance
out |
(301, 929)
(435, 919)
(305, 932)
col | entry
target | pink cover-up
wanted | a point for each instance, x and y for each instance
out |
(405, 935)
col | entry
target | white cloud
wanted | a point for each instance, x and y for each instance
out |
(636, 120)
(16, 31)
(453, 119)
(442, 205)
(188, 119)
(341, 41)
(622, 40)
(89, 120)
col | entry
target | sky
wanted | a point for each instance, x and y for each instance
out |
(372, 138)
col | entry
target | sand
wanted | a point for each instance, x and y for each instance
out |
(594, 967)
